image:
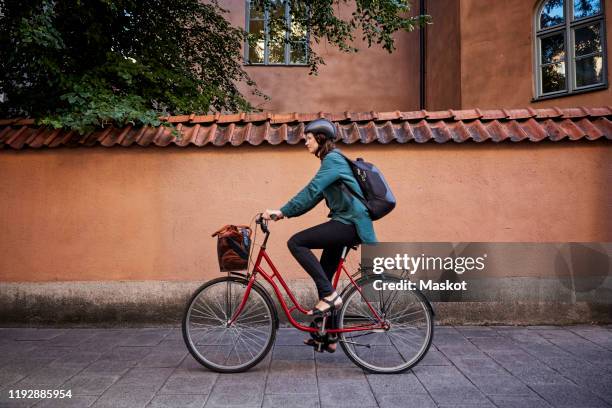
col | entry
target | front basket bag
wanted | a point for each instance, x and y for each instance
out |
(233, 247)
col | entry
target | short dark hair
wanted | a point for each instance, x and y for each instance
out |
(325, 145)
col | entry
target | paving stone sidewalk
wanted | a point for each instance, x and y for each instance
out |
(466, 367)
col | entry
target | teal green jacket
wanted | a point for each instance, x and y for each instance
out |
(344, 206)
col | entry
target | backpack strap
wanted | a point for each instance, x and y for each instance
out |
(345, 187)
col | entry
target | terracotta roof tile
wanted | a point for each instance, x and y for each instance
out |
(497, 125)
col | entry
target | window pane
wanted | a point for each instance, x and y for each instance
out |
(298, 31)
(588, 40)
(586, 8)
(553, 49)
(256, 10)
(276, 32)
(589, 70)
(298, 53)
(552, 13)
(553, 77)
(276, 53)
(277, 9)
(256, 41)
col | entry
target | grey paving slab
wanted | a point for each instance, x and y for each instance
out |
(292, 377)
(178, 401)
(26, 366)
(348, 393)
(500, 384)
(132, 355)
(597, 335)
(164, 357)
(477, 331)
(405, 401)
(88, 383)
(76, 359)
(102, 341)
(43, 351)
(404, 383)
(337, 359)
(37, 334)
(8, 378)
(475, 366)
(149, 378)
(8, 402)
(47, 377)
(466, 367)
(434, 357)
(190, 363)
(79, 401)
(189, 382)
(109, 367)
(291, 400)
(290, 337)
(145, 337)
(504, 401)
(448, 386)
(125, 397)
(301, 352)
(247, 394)
(568, 396)
(72, 337)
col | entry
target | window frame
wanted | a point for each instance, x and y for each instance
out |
(568, 29)
(287, 51)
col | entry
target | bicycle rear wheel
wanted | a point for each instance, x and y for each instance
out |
(410, 326)
(234, 348)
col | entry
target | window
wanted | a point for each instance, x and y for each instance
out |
(570, 47)
(273, 43)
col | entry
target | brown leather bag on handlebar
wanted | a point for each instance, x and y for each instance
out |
(233, 247)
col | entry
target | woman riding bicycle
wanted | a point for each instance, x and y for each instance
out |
(350, 222)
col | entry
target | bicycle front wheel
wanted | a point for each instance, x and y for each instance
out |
(409, 331)
(229, 348)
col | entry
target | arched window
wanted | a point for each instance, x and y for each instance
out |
(570, 47)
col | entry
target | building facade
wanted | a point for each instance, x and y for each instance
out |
(478, 54)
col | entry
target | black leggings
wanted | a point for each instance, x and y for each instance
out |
(331, 236)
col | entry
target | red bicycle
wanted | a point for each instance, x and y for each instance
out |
(230, 322)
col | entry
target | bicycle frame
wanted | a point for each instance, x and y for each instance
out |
(258, 270)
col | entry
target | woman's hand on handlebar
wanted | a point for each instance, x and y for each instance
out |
(273, 215)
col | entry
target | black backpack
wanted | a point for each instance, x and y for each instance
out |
(379, 199)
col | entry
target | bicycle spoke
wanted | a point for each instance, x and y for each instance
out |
(242, 343)
(392, 349)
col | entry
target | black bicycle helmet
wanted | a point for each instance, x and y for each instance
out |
(322, 126)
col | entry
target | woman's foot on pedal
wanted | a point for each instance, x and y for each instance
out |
(326, 304)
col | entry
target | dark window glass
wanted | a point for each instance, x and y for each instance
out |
(552, 13)
(586, 8)
(298, 53)
(588, 40)
(553, 77)
(553, 48)
(589, 70)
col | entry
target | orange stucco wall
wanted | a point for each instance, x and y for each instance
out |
(147, 213)
(371, 79)
(497, 57)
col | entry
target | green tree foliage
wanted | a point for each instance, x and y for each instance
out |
(85, 64)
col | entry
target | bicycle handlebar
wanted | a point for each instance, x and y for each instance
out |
(263, 223)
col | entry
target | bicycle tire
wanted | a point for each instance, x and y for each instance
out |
(269, 342)
(345, 338)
